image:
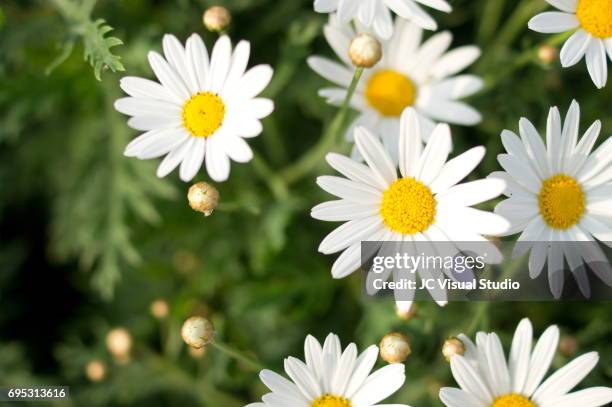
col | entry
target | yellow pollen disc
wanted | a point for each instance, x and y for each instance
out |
(562, 201)
(390, 92)
(595, 16)
(331, 401)
(408, 206)
(203, 114)
(513, 400)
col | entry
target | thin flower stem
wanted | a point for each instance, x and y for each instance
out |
(238, 355)
(317, 152)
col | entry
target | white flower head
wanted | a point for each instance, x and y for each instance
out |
(409, 75)
(592, 20)
(201, 109)
(376, 14)
(488, 379)
(559, 191)
(330, 377)
(424, 204)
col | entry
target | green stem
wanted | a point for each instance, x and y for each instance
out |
(238, 355)
(309, 160)
(275, 183)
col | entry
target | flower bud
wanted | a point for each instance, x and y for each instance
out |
(159, 309)
(95, 370)
(119, 344)
(217, 18)
(395, 347)
(568, 346)
(406, 314)
(203, 198)
(452, 346)
(365, 51)
(198, 332)
(547, 54)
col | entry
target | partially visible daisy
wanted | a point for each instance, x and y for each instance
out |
(330, 377)
(488, 379)
(593, 21)
(409, 75)
(376, 14)
(559, 192)
(424, 204)
(200, 111)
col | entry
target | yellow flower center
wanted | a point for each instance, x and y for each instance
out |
(562, 201)
(595, 16)
(390, 92)
(513, 400)
(408, 206)
(331, 401)
(203, 114)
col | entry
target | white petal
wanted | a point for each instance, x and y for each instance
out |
(350, 190)
(342, 211)
(238, 65)
(217, 161)
(457, 169)
(254, 81)
(455, 61)
(469, 379)
(452, 397)
(541, 358)
(168, 77)
(574, 48)
(219, 64)
(176, 57)
(375, 155)
(569, 6)
(520, 353)
(302, 377)
(592, 397)
(435, 154)
(553, 22)
(174, 158)
(145, 88)
(472, 193)
(354, 171)
(566, 378)
(597, 63)
(410, 144)
(380, 385)
(363, 367)
(197, 60)
(349, 233)
(412, 11)
(237, 149)
(450, 111)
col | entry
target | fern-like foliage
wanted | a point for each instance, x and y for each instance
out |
(93, 34)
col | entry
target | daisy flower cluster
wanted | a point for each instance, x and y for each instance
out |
(403, 183)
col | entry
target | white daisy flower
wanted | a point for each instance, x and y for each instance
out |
(332, 378)
(559, 191)
(488, 379)
(200, 111)
(424, 204)
(593, 21)
(409, 75)
(376, 14)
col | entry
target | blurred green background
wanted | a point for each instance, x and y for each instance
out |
(89, 239)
